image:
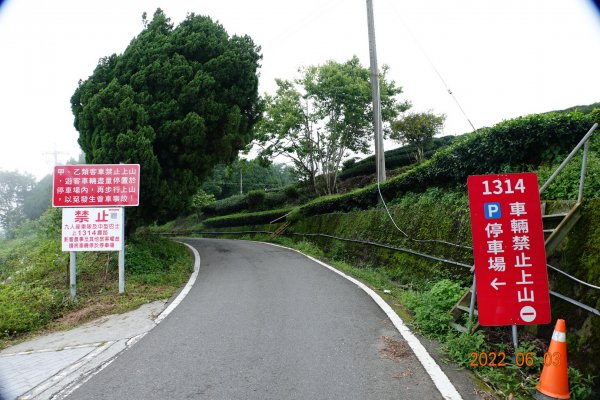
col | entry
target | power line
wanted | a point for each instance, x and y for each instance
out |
(437, 72)
(313, 15)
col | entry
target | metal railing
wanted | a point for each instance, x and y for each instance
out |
(584, 142)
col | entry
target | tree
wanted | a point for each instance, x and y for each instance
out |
(38, 199)
(14, 188)
(225, 179)
(178, 101)
(199, 200)
(321, 118)
(418, 129)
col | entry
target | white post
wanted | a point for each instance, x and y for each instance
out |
(122, 254)
(73, 274)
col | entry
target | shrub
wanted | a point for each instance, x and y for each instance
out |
(566, 184)
(459, 347)
(24, 308)
(394, 159)
(226, 206)
(275, 200)
(153, 259)
(432, 307)
(291, 193)
(140, 260)
(580, 385)
(294, 215)
(255, 199)
(242, 219)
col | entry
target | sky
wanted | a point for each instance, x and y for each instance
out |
(500, 58)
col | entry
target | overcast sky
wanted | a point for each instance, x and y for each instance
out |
(501, 58)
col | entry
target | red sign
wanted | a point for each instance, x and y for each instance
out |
(509, 251)
(101, 185)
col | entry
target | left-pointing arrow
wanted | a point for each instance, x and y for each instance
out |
(495, 283)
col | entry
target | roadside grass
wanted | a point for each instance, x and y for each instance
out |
(34, 282)
(426, 310)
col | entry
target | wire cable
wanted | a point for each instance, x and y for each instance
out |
(318, 12)
(406, 235)
(431, 64)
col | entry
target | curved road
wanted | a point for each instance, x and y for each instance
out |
(262, 322)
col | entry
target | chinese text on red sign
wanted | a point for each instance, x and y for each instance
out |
(99, 185)
(508, 248)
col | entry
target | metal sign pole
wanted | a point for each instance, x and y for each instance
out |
(122, 254)
(515, 339)
(472, 303)
(73, 274)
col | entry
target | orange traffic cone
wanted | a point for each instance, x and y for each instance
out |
(554, 381)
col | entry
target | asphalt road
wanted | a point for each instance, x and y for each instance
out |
(263, 322)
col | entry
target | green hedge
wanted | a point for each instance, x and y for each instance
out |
(275, 200)
(257, 218)
(252, 201)
(520, 144)
(226, 206)
(396, 158)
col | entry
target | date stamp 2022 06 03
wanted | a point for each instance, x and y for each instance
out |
(498, 359)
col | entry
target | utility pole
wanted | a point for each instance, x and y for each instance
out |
(377, 123)
(54, 153)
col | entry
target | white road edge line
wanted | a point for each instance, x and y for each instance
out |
(439, 378)
(71, 388)
(185, 290)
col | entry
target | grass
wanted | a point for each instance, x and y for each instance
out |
(34, 289)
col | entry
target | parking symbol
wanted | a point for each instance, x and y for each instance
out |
(492, 210)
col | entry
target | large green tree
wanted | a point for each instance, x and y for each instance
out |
(178, 101)
(322, 117)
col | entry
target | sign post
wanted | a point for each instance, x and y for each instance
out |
(508, 248)
(94, 197)
(122, 255)
(73, 273)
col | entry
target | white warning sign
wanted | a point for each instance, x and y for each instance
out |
(92, 229)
